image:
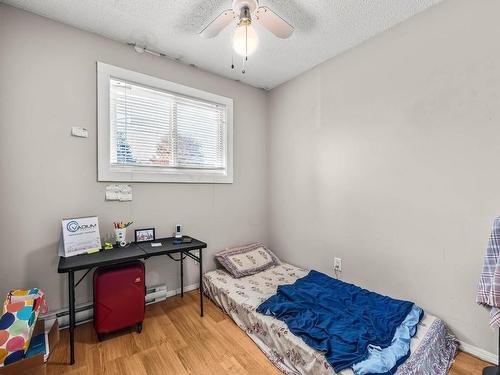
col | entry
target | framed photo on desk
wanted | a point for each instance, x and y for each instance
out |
(145, 235)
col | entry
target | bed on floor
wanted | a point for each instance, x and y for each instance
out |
(432, 348)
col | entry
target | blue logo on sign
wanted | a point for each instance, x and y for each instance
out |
(72, 226)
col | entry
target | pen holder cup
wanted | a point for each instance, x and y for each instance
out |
(120, 235)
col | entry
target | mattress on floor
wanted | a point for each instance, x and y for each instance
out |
(432, 348)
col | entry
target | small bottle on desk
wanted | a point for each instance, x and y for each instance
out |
(178, 234)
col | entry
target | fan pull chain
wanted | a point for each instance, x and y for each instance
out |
(246, 49)
(232, 60)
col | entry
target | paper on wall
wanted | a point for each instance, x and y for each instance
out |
(122, 193)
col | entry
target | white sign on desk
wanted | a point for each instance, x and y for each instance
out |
(80, 235)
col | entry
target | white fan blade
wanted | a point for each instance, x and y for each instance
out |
(216, 26)
(274, 23)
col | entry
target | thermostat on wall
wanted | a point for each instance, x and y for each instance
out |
(79, 132)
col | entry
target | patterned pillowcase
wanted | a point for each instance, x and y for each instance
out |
(247, 260)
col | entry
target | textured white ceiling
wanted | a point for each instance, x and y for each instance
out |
(323, 29)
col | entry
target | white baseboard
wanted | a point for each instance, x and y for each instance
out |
(478, 352)
(187, 288)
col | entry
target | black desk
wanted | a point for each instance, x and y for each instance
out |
(102, 258)
(133, 251)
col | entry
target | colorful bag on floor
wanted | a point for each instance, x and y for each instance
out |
(19, 315)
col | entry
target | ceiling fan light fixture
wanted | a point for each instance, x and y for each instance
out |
(245, 40)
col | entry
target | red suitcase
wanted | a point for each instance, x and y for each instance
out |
(119, 293)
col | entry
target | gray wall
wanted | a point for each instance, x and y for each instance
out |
(389, 158)
(386, 156)
(48, 85)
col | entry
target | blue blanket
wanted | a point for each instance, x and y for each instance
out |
(386, 361)
(335, 317)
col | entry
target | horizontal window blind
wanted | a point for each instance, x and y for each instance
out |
(156, 128)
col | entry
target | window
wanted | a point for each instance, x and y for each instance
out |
(154, 130)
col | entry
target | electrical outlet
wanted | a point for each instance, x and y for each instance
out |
(337, 264)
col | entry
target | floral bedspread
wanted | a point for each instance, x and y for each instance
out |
(432, 348)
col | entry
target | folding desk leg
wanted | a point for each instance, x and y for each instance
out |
(182, 275)
(201, 283)
(71, 290)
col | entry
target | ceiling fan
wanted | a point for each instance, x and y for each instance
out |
(245, 38)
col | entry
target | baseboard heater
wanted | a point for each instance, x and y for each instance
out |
(84, 312)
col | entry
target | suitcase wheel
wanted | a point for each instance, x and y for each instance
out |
(100, 336)
(139, 327)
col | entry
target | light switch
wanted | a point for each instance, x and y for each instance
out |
(79, 132)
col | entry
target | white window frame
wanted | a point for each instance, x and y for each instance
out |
(107, 172)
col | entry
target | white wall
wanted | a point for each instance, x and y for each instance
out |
(389, 158)
(48, 85)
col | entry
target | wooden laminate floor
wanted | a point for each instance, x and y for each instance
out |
(176, 340)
